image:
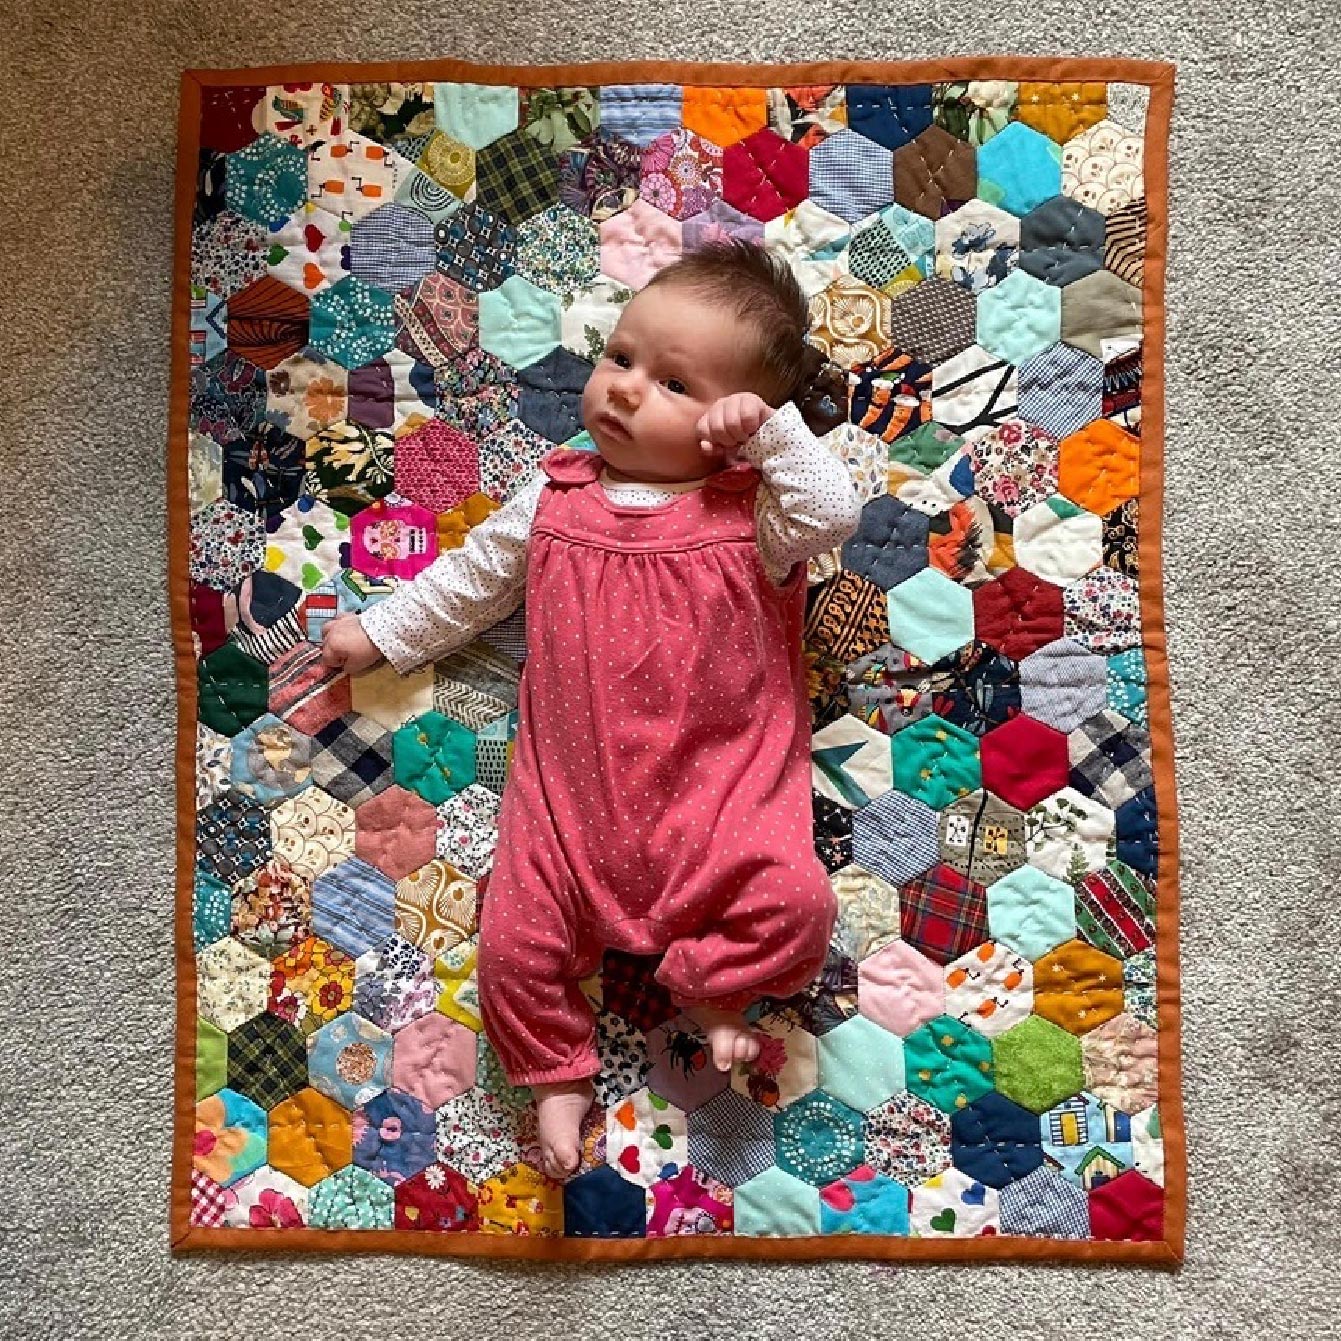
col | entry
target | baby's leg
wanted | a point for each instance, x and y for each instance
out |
(536, 1016)
(560, 1108)
(770, 940)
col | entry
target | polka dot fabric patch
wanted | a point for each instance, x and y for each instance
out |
(388, 297)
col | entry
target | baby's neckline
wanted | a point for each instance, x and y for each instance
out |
(655, 486)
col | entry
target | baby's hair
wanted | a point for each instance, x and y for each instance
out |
(758, 287)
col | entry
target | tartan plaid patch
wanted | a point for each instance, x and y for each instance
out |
(209, 1201)
(1115, 911)
(517, 177)
(1110, 758)
(943, 914)
(267, 1060)
(351, 759)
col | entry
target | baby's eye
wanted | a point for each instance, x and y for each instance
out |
(674, 384)
(620, 360)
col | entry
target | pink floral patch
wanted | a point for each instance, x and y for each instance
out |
(682, 173)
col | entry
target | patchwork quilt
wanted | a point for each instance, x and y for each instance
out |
(391, 284)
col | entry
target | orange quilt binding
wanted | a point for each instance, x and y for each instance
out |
(1158, 76)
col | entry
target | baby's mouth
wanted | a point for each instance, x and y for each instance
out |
(613, 426)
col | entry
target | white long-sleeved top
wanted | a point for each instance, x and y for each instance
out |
(805, 505)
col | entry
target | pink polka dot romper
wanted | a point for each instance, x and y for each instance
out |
(659, 794)
(660, 798)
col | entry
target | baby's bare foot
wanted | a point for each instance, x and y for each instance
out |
(561, 1108)
(730, 1038)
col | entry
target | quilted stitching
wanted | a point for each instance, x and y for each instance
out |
(398, 293)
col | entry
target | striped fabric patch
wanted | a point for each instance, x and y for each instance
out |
(1115, 911)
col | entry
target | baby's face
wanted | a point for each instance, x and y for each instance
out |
(668, 360)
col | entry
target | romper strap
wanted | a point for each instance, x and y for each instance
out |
(572, 465)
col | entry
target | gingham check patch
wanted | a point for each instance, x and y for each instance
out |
(1044, 1205)
(1110, 758)
(850, 175)
(943, 913)
(209, 1201)
(731, 1138)
(516, 177)
(1061, 389)
(393, 242)
(352, 759)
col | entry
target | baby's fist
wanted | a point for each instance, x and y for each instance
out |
(345, 645)
(731, 421)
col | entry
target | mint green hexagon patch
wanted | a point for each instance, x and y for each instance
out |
(860, 1064)
(1020, 317)
(352, 1198)
(476, 114)
(520, 322)
(1031, 911)
(930, 615)
(775, 1203)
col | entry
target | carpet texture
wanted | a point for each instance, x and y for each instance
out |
(86, 862)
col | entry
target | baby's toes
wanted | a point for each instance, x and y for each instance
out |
(559, 1160)
(746, 1048)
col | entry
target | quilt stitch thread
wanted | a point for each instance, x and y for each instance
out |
(381, 280)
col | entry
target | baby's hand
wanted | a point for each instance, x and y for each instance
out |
(733, 420)
(345, 645)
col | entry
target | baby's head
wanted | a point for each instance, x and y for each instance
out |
(727, 318)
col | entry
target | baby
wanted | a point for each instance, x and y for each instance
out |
(659, 799)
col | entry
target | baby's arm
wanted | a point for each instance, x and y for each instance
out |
(806, 503)
(462, 592)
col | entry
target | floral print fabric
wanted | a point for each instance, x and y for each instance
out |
(362, 392)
